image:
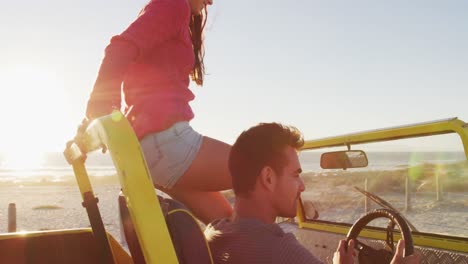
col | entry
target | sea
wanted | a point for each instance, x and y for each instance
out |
(53, 165)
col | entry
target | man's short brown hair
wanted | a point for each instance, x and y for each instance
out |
(260, 146)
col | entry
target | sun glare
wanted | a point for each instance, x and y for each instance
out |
(33, 111)
(21, 159)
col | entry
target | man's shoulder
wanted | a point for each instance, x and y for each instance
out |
(253, 240)
(242, 226)
(289, 250)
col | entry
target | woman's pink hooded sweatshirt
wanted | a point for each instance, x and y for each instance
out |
(151, 61)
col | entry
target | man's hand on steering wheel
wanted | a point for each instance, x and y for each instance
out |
(398, 258)
(344, 254)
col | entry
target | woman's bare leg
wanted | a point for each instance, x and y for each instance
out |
(209, 170)
(206, 206)
(208, 174)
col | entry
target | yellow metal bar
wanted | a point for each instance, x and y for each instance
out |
(77, 159)
(452, 125)
(115, 132)
(438, 127)
(300, 213)
(418, 239)
(82, 178)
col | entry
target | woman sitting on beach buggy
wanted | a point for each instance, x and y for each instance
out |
(152, 61)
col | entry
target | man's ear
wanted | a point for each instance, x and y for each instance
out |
(268, 178)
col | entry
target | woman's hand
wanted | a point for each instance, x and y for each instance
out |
(78, 140)
(80, 133)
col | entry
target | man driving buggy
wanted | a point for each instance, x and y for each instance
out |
(266, 180)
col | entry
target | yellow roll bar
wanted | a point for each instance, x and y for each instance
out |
(115, 133)
(437, 127)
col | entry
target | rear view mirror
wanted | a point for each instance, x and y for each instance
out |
(343, 159)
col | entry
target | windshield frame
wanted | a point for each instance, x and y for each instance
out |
(425, 129)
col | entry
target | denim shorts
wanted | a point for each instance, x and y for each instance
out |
(170, 153)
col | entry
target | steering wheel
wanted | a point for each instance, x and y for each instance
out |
(368, 254)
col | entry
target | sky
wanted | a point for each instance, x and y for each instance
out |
(326, 67)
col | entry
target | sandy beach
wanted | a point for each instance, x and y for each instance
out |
(45, 203)
(49, 206)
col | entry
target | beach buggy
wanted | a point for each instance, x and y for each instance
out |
(355, 193)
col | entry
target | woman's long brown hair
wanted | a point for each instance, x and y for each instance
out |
(197, 24)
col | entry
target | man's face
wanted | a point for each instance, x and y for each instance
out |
(289, 185)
